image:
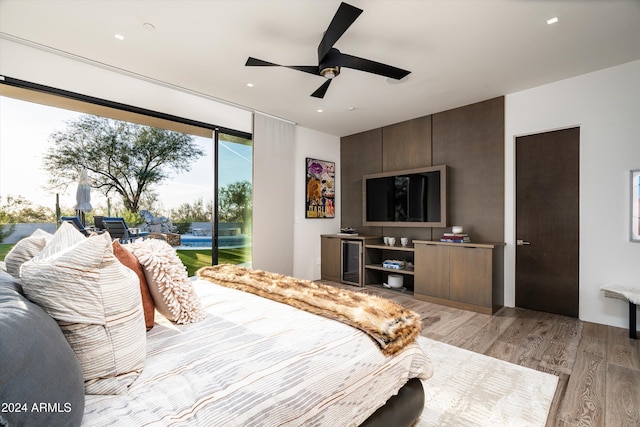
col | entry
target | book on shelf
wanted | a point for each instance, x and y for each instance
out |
(455, 238)
(394, 264)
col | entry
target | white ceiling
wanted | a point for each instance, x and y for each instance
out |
(459, 51)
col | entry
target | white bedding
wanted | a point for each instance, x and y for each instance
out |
(254, 361)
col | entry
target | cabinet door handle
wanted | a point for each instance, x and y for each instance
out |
(522, 242)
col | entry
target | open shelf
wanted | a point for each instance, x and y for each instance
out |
(390, 270)
(375, 274)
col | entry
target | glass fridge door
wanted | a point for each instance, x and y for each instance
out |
(351, 262)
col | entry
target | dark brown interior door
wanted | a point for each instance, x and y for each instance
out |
(547, 221)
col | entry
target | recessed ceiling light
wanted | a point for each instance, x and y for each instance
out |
(319, 111)
(552, 20)
(249, 84)
(119, 36)
(351, 108)
(148, 26)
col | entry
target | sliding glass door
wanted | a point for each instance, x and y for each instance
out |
(234, 198)
(205, 190)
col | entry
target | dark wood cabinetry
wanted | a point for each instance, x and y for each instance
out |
(334, 265)
(467, 275)
(431, 278)
(330, 258)
(461, 275)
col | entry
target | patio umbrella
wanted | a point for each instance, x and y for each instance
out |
(83, 196)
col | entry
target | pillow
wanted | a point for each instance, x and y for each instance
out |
(129, 260)
(38, 365)
(96, 301)
(24, 250)
(168, 281)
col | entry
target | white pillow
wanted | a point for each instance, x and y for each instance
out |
(24, 250)
(96, 301)
(168, 281)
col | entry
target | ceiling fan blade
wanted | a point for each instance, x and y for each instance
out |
(311, 69)
(319, 93)
(350, 61)
(342, 20)
(254, 62)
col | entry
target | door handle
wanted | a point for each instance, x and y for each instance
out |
(522, 242)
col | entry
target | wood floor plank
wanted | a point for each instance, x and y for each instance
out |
(622, 350)
(623, 386)
(594, 330)
(484, 338)
(584, 400)
(558, 359)
(517, 333)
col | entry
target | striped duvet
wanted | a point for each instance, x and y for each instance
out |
(256, 362)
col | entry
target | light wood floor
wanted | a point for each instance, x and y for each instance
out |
(598, 366)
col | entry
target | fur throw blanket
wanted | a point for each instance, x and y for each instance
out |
(389, 324)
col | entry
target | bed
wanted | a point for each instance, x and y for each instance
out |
(242, 360)
(258, 362)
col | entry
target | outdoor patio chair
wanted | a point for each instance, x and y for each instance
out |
(75, 221)
(118, 229)
(97, 221)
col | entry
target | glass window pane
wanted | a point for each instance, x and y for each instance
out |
(235, 196)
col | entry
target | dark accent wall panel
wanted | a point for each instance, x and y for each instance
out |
(470, 140)
(360, 154)
(407, 145)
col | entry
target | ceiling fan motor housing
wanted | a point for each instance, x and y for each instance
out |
(328, 67)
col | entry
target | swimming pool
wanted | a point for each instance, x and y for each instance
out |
(189, 241)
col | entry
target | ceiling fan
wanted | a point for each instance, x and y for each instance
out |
(331, 60)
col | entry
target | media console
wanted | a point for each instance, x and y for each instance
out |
(461, 275)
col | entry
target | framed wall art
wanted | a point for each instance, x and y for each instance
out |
(635, 206)
(320, 188)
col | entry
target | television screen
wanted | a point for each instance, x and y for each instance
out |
(412, 196)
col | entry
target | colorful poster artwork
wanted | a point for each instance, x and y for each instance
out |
(321, 180)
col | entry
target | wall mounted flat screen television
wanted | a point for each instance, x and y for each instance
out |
(406, 198)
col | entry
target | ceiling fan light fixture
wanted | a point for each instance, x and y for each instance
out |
(330, 72)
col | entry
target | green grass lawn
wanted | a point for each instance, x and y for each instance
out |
(193, 259)
(4, 250)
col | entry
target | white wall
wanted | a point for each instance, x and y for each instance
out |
(43, 67)
(606, 106)
(307, 231)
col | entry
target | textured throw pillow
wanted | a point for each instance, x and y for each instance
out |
(96, 301)
(129, 260)
(24, 250)
(40, 376)
(168, 281)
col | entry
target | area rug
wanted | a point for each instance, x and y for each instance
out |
(470, 389)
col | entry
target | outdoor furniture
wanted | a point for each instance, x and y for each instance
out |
(118, 229)
(97, 221)
(75, 221)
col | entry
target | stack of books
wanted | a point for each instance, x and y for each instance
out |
(455, 238)
(394, 264)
